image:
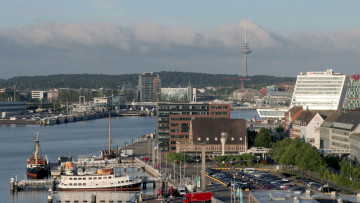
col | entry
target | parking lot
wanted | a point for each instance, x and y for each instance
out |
(272, 180)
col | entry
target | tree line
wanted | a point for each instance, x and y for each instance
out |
(168, 79)
(294, 153)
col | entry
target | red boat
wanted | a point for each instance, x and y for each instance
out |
(36, 166)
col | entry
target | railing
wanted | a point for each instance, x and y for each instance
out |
(258, 150)
(25, 183)
(335, 151)
(148, 167)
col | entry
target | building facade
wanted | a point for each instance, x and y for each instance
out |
(300, 124)
(53, 95)
(12, 108)
(177, 94)
(290, 117)
(38, 94)
(270, 90)
(210, 132)
(352, 97)
(355, 147)
(319, 90)
(173, 120)
(312, 131)
(149, 87)
(339, 129)
(325, 130)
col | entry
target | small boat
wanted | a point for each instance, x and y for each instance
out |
(37, 167)
(104, 180)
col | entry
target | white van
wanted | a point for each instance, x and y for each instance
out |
(249, 170)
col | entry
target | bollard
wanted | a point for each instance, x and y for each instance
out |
(12, 184)
(53, 184)
(50, 199)
(93, 198)
(140, 196)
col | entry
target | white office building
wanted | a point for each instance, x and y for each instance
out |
(319, 90)
(38, 94)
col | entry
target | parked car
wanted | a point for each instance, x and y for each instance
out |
(327, 189)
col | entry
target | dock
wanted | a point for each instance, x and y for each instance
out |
(31, 184)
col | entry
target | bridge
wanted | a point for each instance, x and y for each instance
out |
(258, 150)
(335, 151)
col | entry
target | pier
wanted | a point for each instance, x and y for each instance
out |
(31, 184)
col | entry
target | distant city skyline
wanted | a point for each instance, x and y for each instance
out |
(41, 37)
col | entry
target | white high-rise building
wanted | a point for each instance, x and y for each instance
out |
(319, 90)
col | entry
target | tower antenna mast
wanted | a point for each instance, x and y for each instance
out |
(246, 50)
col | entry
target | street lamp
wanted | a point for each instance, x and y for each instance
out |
(234, 189)
(188, 147)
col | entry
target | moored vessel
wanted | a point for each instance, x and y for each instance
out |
(37, 166)
(104, 180)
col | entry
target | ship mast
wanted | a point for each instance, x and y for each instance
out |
(109, 135)
(36, 154)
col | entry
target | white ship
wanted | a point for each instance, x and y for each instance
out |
(104, 180)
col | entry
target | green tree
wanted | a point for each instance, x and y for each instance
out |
(280, 130)
(178, 157)
(264, 138)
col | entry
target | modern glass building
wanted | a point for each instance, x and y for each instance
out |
(352, 97)
(320, 90)
(149, 87)
(173, 120)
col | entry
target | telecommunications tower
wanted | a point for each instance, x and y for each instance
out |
(245, 51)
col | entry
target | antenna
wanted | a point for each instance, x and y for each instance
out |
(245, 50)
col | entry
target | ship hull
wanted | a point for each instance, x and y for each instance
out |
(124, 188)
(37, 172)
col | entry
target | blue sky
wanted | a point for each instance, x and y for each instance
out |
(119, 37)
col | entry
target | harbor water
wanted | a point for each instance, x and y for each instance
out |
(78, 138)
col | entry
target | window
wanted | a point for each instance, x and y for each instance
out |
(84, 183)
(75, 178)
(90, 178)
(84, 178)
(75, 184)
(70, 178)
(109, 177)
(99, 178)
(94, 178)
(70, 183)
(104, 178)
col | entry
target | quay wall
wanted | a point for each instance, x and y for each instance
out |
(18, 122)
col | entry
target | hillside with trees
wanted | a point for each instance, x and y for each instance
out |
(168, 79)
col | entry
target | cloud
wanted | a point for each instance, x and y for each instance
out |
(51, 48)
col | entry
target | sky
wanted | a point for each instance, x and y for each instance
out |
(286, 37)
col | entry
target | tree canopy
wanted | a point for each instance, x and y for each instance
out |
(264, 138)
(168, 79)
